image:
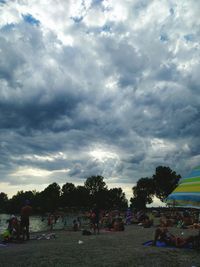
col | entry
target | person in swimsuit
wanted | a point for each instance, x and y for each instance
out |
(26, 211)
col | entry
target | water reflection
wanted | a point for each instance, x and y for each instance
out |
(40, 223)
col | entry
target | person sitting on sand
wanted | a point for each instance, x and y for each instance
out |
(118, 225)
(14, 227)
(194, 226)
(146, 223)
(13, 230)
(162, 234)
(140, 216)
(106, 221)
(187, 219)
(166, 222)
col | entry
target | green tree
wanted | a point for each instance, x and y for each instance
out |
(3, 201)
(117, 199)
(142, 193)
(36, 202)
(95, 184)
(82, 199)
(50, 197)
(68, 195)
(165, 181)
(97, 190)
(17, 201)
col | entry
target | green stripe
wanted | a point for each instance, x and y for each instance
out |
(192, 179)
(189, 184)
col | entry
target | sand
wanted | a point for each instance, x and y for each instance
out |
(106, 249)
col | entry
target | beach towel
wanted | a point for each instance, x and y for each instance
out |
(161, 244)
(2, 245)
(44, 237)
(9, 244)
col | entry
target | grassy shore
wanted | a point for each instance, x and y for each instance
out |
(106, 249)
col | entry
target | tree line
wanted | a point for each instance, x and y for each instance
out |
(53, 198)
(93, 192)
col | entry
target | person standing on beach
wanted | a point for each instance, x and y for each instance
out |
(26, 211)
(51, 221)
(94, 219)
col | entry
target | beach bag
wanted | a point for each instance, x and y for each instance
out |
(86, 232)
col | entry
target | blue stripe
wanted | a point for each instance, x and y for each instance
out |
(193, 173)
(186, 197)
(184, 193)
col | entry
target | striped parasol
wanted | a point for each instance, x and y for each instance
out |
(187, 193)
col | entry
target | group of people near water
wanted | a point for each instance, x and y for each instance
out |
(115, 221)
(18, 229)
(93, 221)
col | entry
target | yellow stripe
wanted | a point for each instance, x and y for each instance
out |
(187, 189)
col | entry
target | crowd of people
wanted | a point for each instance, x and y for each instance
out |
(18, 229)
(183, 220)
(116, 221)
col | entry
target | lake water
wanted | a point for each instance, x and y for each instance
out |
(39, 223)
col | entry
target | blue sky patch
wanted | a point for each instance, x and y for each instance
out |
(30, 19)
(189, 37)
(98, 30)
(8, 27)
(171, 11)
(77, 19)
(106, 28)
(163, 38)
(97, 2)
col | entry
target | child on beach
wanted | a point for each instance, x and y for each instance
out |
(13, 229)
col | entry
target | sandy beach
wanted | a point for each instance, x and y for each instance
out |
(106, 249)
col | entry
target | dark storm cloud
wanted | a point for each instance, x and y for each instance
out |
(34, 115)
(103, 88)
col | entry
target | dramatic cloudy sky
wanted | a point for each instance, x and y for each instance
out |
(87, 87)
